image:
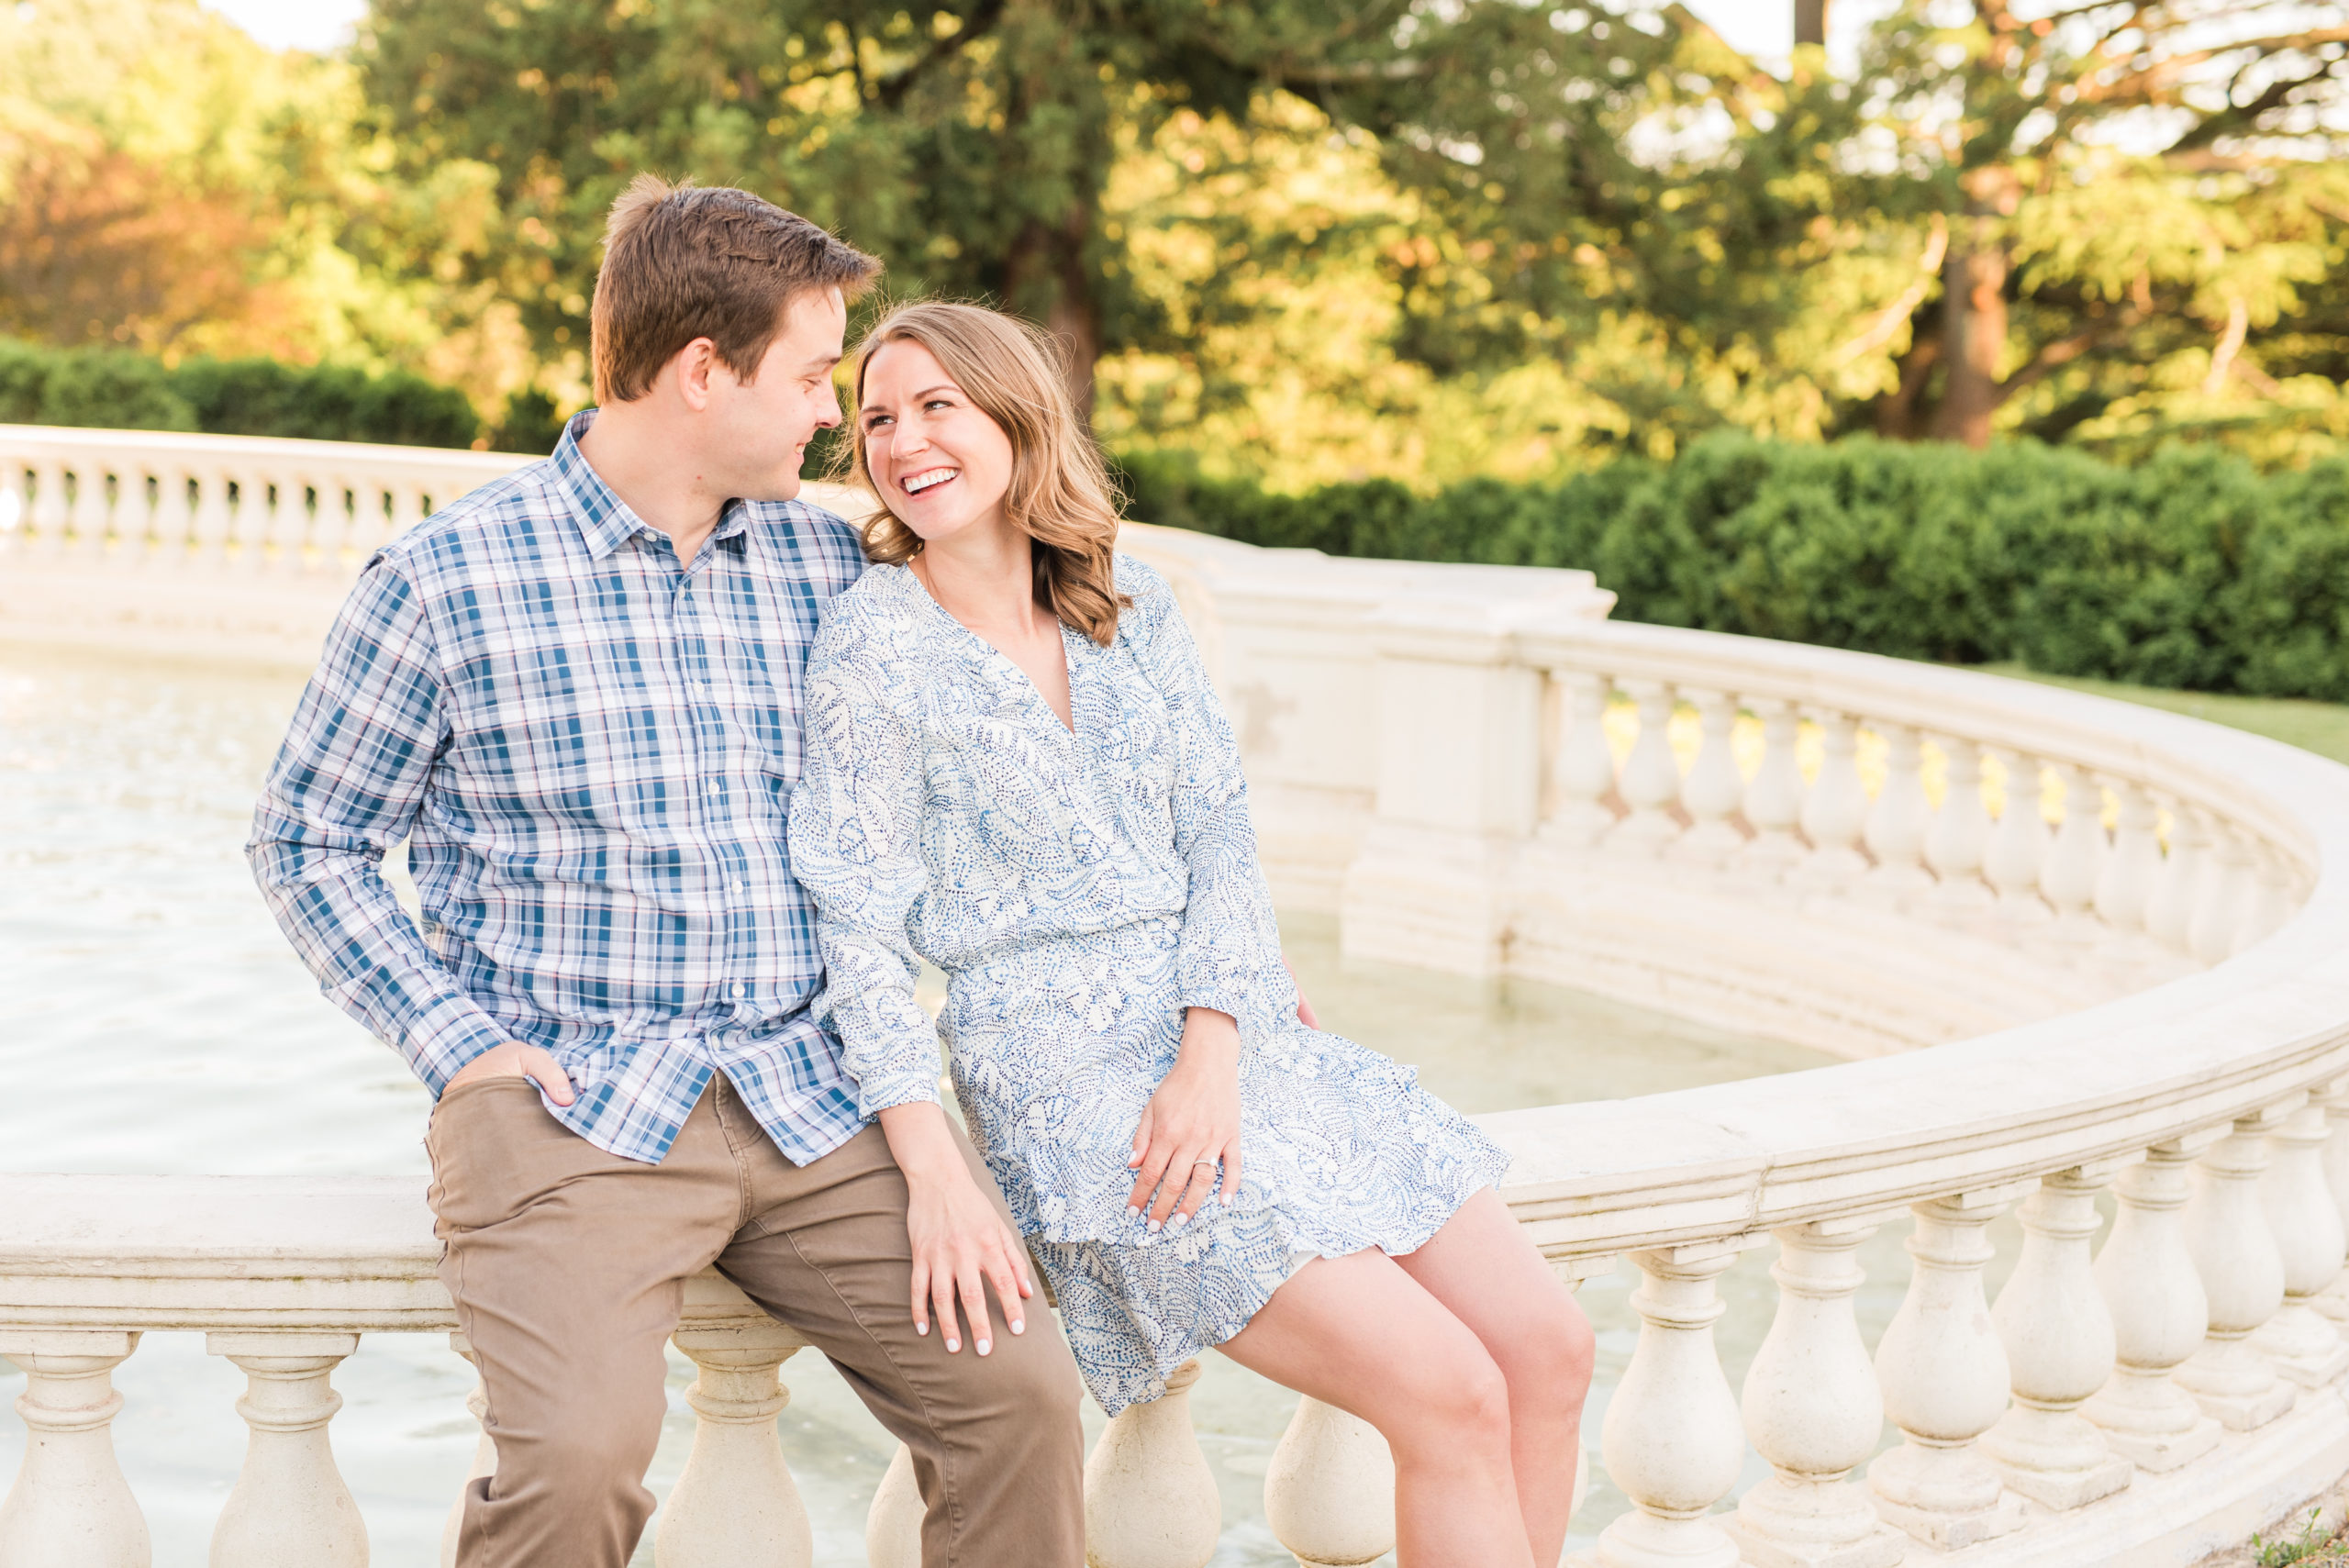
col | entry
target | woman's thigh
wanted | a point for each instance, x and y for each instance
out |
(1489, 1276)
(1360, 1333)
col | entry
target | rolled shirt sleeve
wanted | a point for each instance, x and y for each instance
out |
(344, 789)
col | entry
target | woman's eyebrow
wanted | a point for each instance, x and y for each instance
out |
(925, 392)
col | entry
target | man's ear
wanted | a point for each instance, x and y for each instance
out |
(694, 364)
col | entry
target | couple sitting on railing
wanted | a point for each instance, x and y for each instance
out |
(693, 774)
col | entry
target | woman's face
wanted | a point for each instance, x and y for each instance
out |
(941, 463)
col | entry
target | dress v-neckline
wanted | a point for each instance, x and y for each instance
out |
(1035, 694)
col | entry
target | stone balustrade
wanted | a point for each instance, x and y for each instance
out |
(2077, 949)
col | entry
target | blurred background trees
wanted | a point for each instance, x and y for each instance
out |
(1296, 241)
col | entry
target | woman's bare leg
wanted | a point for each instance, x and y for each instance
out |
(1360, 1333)
(1488, 1275)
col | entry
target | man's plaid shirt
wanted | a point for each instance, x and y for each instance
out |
(589, 748)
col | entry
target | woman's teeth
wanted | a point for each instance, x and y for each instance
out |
(931, 481)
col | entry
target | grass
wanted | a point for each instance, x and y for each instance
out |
(2319, 726)
(2314, 1547)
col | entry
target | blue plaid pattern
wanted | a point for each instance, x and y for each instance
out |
(588, 748)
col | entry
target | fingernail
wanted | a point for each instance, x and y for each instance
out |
(1133, 1211)
(953, 1344)
(922, 1328)
(1154, 1227)
(1179, 1221)
(1018, 1326)
(986, 1345)
(1224, 1198)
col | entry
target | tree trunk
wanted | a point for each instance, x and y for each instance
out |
(1973, 310)
(1050, 263)
(1810, 21)
(1898, 412)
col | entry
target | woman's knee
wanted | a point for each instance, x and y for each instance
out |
(1456, 1410)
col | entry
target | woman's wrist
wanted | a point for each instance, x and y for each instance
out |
(922, 1144)
(1211, 1038)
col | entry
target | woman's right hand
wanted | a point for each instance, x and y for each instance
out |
(960, 1241)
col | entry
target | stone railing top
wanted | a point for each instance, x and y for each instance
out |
(68, 442)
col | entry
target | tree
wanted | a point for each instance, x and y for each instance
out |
(2124, 175)
(968, 143)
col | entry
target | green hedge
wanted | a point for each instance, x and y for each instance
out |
(2191, 569)
(118, 390)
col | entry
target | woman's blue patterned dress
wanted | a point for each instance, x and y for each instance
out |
(1080, 890)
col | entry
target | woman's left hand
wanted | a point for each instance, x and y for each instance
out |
(1190, 1124)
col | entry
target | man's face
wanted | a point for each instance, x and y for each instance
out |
(761, 429)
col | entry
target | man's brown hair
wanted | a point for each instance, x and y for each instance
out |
(684, 261)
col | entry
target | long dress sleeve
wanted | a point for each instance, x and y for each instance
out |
(855, 847)
(1230, 953)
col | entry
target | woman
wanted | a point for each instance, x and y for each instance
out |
(1016, 768)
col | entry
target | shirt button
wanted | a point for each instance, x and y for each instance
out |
(738, 887)
(701, 688)
(737, 993)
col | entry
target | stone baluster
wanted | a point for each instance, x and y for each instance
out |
(1714, 787)
(2299, 1340)
(1651, 775)
(214, 526)
(15, 504)
(1329, 1494)
(2270, 904)
(1774, 795)
(1944, 1370)
(2159, 1316)
(1584, 773)
(2075, 863)
(2124, 887)
(1961, 830)
(893, 1525)
(2334, 1302)
(2018, 846)
(1812, 1410)
(49, 510)
(2243, 1273)
(341, 517)
(1899, 820)
(734, 1506)
(2061, 1345)
(175, 525)
(2177, 893)
(289, 1507)
(484, 1456)
(86, 525)
(70, 1506)
(1150, 1499)
(1671, 1438)
(406, 511)
(1835, 811)
(2227, 887)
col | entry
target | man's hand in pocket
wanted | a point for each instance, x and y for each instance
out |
(514, 1060)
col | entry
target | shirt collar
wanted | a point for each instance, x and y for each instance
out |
(604, 521)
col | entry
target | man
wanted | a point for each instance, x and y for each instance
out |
(576, 694)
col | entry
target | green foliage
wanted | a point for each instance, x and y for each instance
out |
(2313, 1543)
(117, 389)
(324, 403)
(2190, 570)
(99, 387)
(530, 424)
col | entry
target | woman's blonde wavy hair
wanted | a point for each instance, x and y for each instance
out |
(1061, 496)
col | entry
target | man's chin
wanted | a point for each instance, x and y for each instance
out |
(783, 485)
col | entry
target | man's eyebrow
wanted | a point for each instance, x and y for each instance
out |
(822, 362)
(925, 392)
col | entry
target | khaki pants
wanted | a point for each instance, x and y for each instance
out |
(568, 1267)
